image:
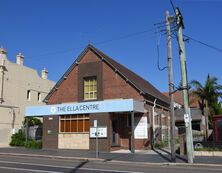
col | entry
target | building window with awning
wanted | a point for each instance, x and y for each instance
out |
(90, 88)
(74, 123)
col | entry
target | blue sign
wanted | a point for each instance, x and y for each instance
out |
(122, 105)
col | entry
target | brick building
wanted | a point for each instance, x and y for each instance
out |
(96, 87)
(199, 116)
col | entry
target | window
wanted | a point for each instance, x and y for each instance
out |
(90, 88)
(74, 123)
(39, 97)
(28, 95)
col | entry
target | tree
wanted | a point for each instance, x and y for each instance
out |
(209, 95)
(32, 121)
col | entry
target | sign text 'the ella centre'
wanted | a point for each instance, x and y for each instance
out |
(75, 108)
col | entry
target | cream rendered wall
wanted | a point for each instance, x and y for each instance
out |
(18, 79)
(73, 141)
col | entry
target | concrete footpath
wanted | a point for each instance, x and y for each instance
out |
(146, 157)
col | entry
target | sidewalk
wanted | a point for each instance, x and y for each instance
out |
(150, 156)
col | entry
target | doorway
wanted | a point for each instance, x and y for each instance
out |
(115, 135)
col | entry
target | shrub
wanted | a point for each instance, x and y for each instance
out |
(34, 144)
(18, 139)
(207, 149)
(161, 144)
(177, 141)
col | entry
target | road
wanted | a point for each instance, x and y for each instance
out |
(24, 164)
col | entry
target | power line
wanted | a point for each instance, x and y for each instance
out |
(161, 32)
(205, 44)
(158, 55)
(126, 36)
(98, 43)
(174, 9)
(193, 39)
(158, 26)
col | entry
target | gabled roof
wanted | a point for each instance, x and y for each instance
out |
(196, 114)
(143, 86)
(178, 98)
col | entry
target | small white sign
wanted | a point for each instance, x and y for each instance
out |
(101, 132)
(186, 118)
(141, 128)
(95, 123)
(53, 109)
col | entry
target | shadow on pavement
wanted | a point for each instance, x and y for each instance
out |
(79, 166)
(163, 156)
(167, 152)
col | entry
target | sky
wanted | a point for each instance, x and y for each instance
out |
(52, 33)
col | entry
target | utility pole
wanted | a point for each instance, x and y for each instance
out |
(187, 116)
(171, 87)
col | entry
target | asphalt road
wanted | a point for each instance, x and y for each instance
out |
(23, 164)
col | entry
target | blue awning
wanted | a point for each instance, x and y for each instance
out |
(121, 105)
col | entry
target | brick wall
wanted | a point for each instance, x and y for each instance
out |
(50, 132)
(68, 90)
(91, 69)
(114, 86)
(103, 119)
(89, 57)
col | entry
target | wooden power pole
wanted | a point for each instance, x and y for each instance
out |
(171, 88)
(187, 116)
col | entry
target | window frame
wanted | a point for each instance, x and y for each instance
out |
(28, 95)
(94, 91)
(71, 118)
(39, 97)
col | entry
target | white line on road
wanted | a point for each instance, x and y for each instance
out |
(66, 167)
(28, 170)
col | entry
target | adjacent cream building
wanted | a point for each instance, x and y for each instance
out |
(20, 86)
